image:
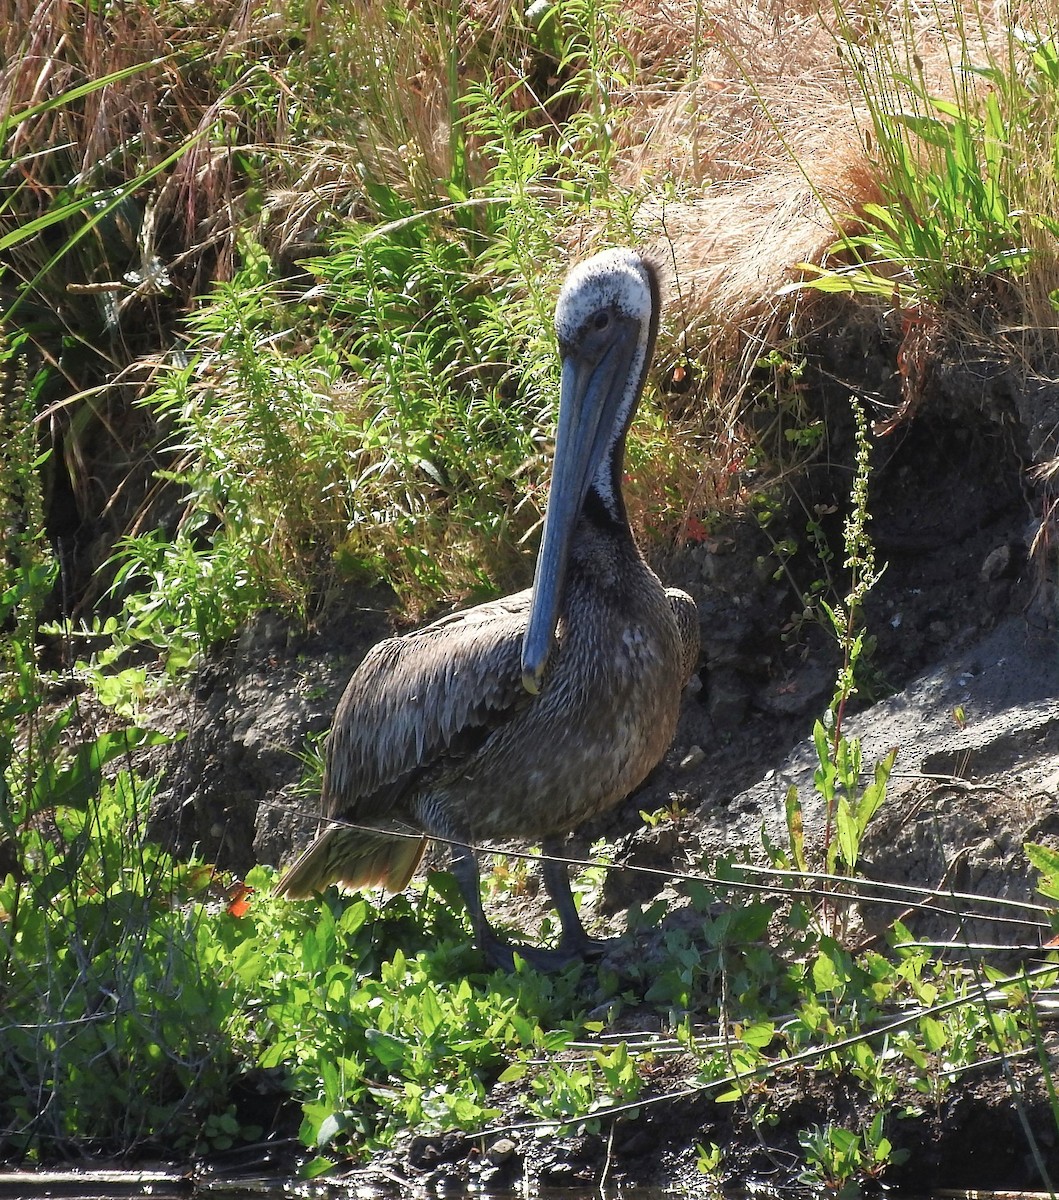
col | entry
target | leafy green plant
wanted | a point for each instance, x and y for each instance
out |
(849, 803)
(566, 1094)
(106, 998)
(89, 927)
(708, 1160)
(381, 458)
(378, 1038)
(837, 780)
(82, 944)
(961, 177)
(841, 1160)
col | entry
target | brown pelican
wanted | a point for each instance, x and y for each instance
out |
(524, 717)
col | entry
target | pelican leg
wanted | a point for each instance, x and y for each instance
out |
(464, 868)
(574, 942)
(574, 945)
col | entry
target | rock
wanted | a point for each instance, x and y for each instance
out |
(797, 692)
(693, 758)
(727, 698)
(493, 1179)
(647, 848)
(424, 1153)
(501, 1150)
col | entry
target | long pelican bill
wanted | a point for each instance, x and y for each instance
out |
(592, 396)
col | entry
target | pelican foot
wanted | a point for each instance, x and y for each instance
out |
(570, 950)
(574, 944)
(580, 945)
(500, 954)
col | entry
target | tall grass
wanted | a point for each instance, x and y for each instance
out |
(958, 119)
(126, 142)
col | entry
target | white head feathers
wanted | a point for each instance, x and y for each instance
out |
(615, 279)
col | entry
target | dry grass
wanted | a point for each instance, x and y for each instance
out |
(752, 132)
(743, 135)
(762, 129)
(99, 305)
(118, 131)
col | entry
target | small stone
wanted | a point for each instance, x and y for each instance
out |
(693, 758)
(726, 699)
(795, 693)
(559, 1174)
(998, 564)
(424, 1153)
(500, 1151)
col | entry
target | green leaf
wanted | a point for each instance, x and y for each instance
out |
(854, 281)
(934, 1036)
(1046, 860)
(75, 783)
(874, 794)
(316, 1167)
(930, 129)
(884, 216)
(825, 977)
(390, 1051)
(330, 1127)
(512, 1073)
(431, 1016)
(759, 1034)
(795, 830)
(847, 834)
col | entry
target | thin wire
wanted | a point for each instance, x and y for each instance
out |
(893, 893)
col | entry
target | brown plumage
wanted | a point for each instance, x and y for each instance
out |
(526, 716)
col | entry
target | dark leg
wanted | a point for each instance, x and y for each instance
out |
(574, 943)
(465, 871)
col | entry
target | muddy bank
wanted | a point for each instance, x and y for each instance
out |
(973, 1139)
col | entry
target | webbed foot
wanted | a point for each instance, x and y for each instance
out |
(579, 945)
(502, 954)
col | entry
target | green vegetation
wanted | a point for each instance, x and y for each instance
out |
(280, 289)
(963, 158)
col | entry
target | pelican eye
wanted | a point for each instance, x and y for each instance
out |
(601, 320)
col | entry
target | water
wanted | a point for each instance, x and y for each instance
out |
(162, 1184)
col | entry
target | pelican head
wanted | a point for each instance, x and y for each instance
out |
(606, 319)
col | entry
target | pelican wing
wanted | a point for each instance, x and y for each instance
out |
(421, 700)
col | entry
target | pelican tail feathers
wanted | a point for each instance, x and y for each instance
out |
(356, 858)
